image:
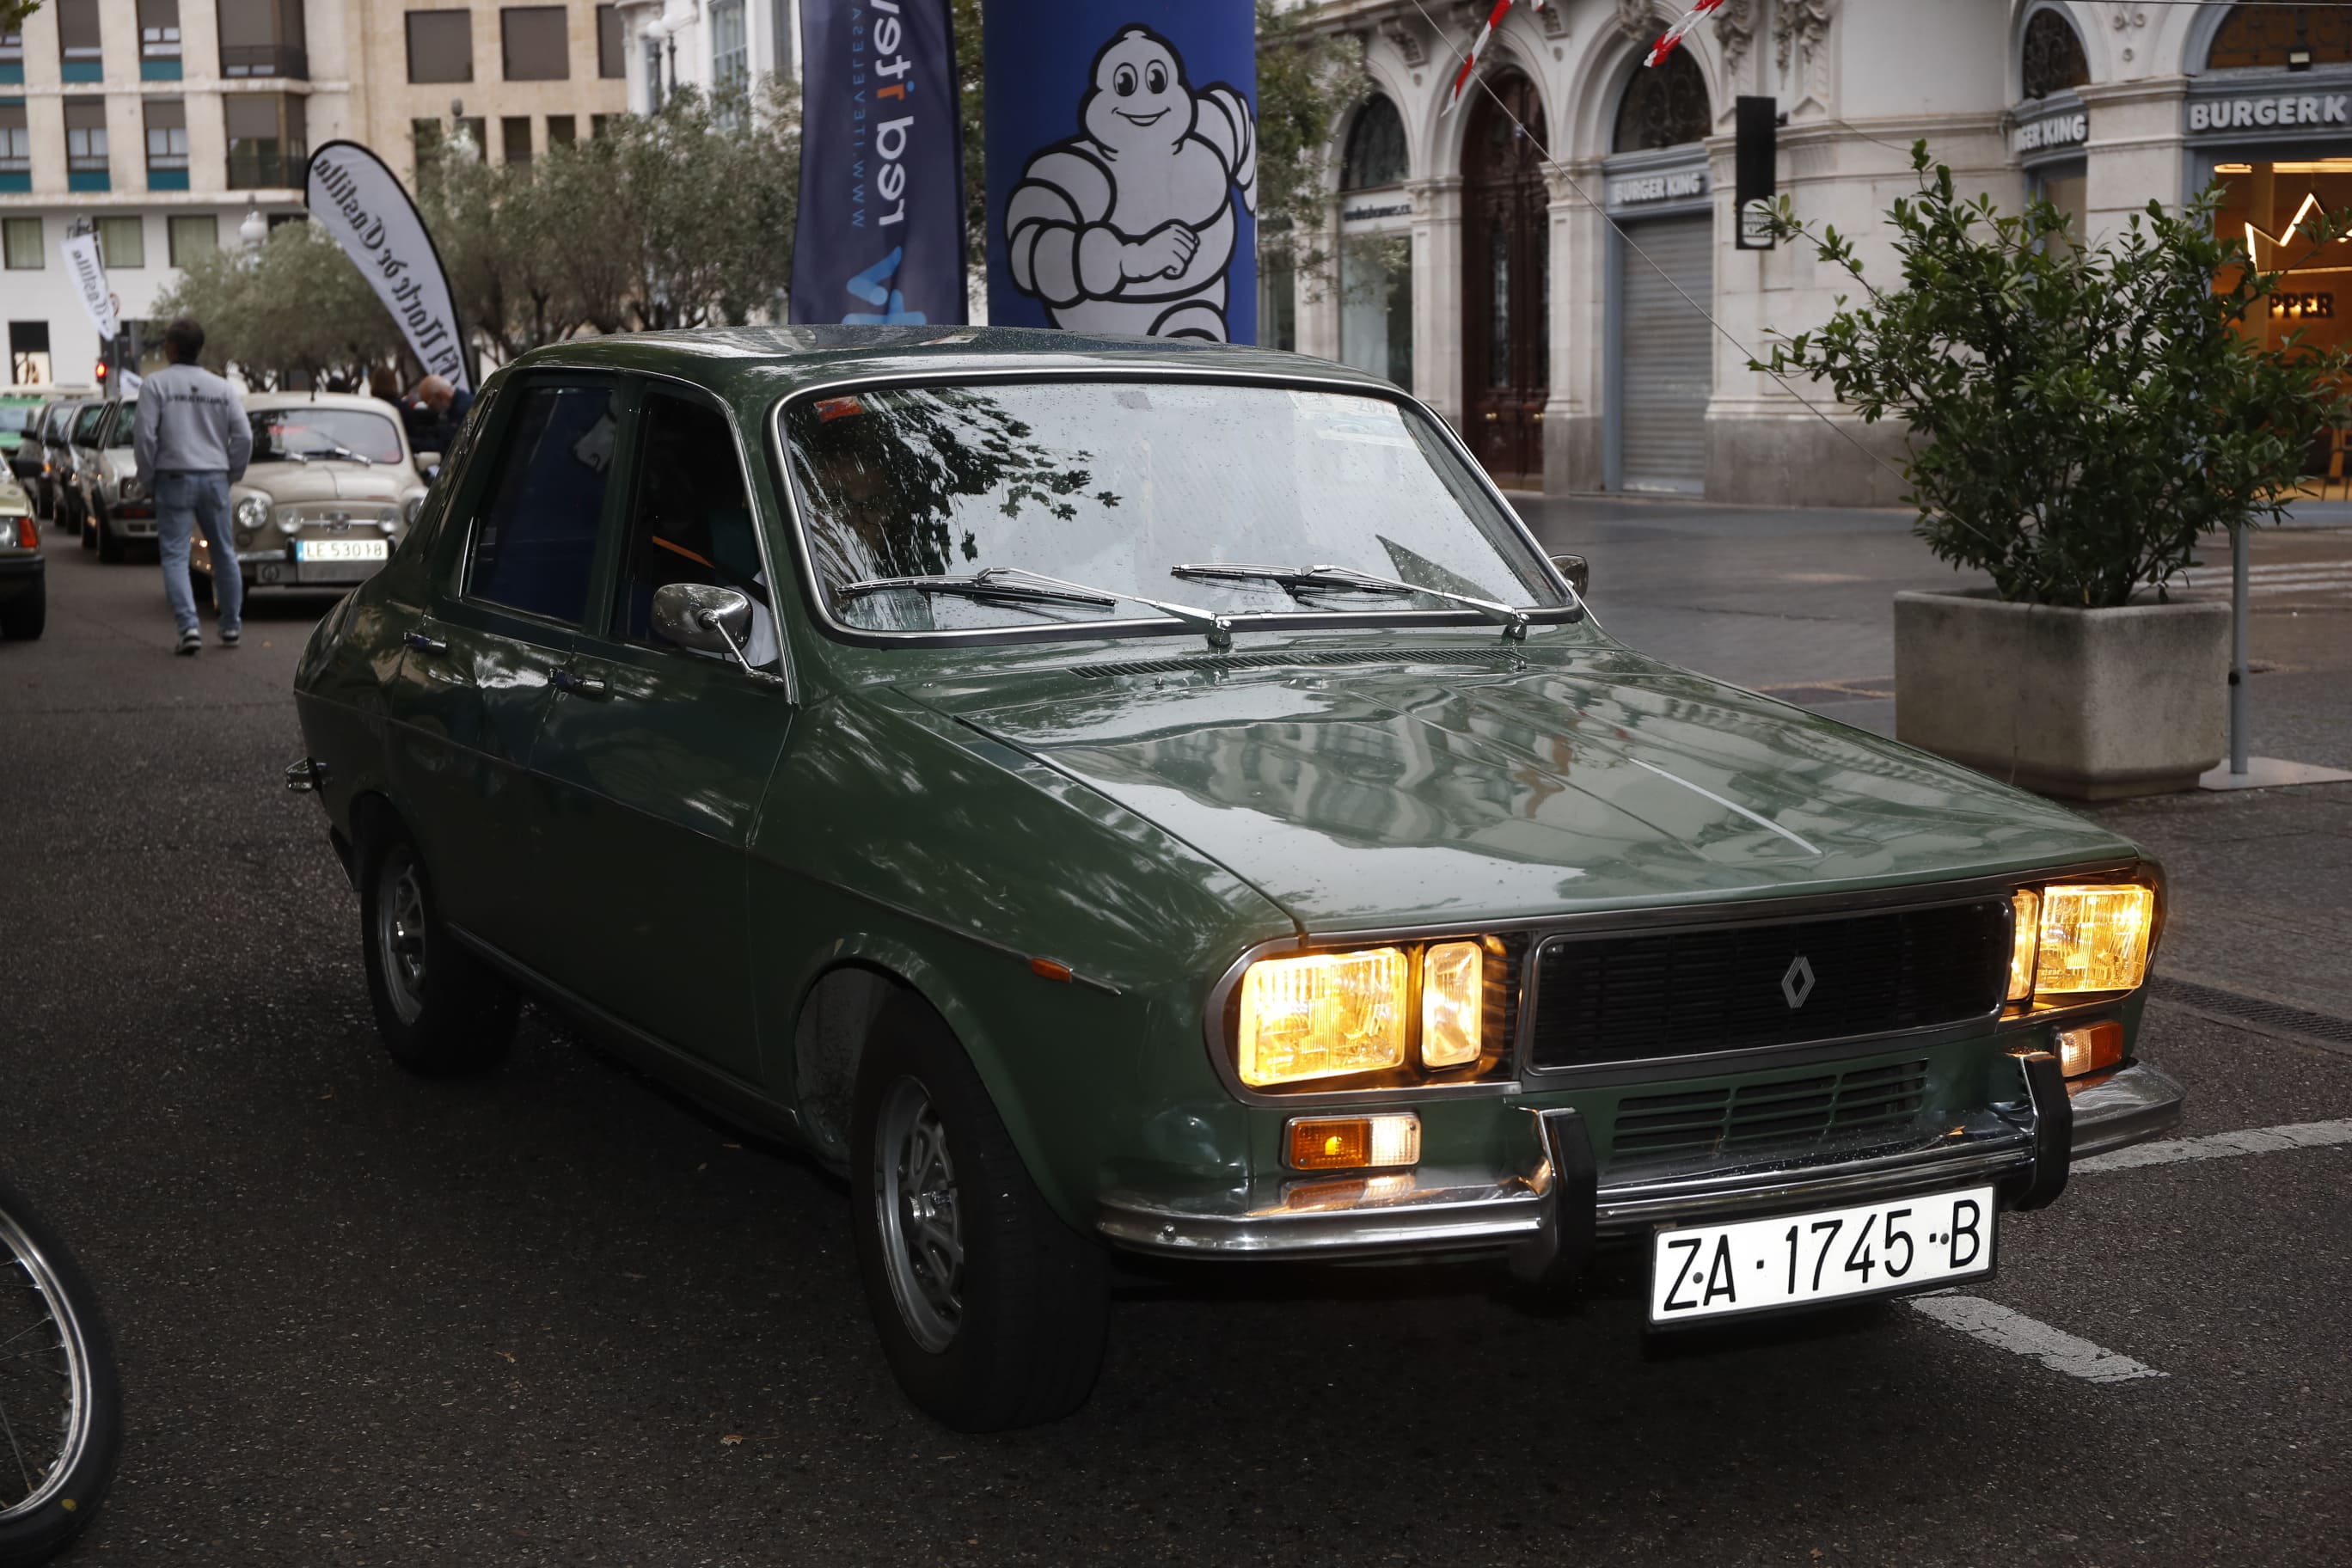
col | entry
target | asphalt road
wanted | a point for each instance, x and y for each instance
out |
(555, 1316)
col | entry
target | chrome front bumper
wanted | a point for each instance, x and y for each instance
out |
(1538, 1216)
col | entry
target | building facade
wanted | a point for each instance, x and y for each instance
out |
(162, 123)
(1553, 263)
(707, 45)
(165, 123)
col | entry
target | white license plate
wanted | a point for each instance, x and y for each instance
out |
(342, 549)
(1829, 1254)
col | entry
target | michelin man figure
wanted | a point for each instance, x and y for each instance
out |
(1130, 227)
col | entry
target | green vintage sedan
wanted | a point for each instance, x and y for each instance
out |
(1124, 796)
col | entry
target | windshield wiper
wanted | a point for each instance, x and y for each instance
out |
(1019, 585)
(1302, 580)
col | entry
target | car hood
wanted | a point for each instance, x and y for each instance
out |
(300, 482)
(1357, 798)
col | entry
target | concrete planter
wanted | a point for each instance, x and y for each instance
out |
(2086, 704)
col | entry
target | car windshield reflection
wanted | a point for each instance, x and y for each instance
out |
(910, 495)
(313, 435)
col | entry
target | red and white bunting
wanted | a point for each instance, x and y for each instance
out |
(1673, 35)
(1470, 60)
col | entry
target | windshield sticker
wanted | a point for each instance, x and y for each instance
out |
(829, 409)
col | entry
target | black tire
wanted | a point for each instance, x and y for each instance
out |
(1023, 1343)
(38, 1519)
(24, 616)
(440, 1009)
(110, 544)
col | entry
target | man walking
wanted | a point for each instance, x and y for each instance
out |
(193, 443)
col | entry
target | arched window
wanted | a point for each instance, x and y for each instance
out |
(1664, 107)
(2275, 36)
(1375, 153)
(2053, 59)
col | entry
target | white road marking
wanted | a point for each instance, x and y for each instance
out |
(1997, 1326)
(2221, 1145)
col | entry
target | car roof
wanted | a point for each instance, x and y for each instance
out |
(767, 362)
(258, 401)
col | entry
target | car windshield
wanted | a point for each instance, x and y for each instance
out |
(306, 434)
(17, 417)
(126, 424)
(85, 428)
(1115, 485)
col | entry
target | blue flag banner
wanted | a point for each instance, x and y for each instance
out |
(1122, 166)
(881, 222)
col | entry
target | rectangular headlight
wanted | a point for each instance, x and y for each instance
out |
(1323, 1016)
(2093, 937)
(1452, 1004)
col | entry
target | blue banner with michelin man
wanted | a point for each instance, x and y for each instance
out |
(1122, 166)
(880, 237)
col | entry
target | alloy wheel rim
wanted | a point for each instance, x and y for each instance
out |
(922, 1223)
(45, 1396)
(400, 932)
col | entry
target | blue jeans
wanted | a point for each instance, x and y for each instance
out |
(184, 503)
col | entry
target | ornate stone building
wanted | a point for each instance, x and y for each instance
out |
(1541, 263)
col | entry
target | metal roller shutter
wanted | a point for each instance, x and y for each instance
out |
(1667, 355)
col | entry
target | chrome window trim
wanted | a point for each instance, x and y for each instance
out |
(1714, 914)
(1571, 613)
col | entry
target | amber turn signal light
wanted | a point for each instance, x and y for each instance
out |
(1352, 1143)
(2090, 1048)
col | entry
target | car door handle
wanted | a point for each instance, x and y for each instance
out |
(579, 685)
(424, 643)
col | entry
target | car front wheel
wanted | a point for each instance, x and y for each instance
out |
(440, 1009)
(992, 1312)
(109, 543)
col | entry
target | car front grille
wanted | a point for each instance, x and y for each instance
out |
(1639, 996)
(1760, 1116)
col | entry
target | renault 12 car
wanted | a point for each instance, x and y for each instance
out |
(329, 492)
(1116, 795)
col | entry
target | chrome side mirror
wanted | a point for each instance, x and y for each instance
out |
(1577, 570)
(704, 619)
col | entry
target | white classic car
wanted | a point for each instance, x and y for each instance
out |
(328, 494)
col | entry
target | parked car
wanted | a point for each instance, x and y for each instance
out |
(24, 581)
(1125, 794)
(60, 1401)
(330, 493)
(47, 484)
(19, 413)
(84, 440)
(117, 508)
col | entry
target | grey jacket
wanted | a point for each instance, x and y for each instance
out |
(190, 422)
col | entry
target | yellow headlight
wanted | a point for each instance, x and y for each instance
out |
(2024, 937)
(1453, 1002)
(1323, 1016)
(2094, 938)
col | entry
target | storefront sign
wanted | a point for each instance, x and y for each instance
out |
(1638, 190)
(2058, 130)
(2320, 306)
(2249, 113)
(1373, 212)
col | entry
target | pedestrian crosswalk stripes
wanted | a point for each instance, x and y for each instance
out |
(2273, 578)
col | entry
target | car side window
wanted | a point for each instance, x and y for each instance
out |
(85, 423)
(535, 537)
(689, 521)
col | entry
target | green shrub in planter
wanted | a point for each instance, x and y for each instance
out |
(2080, 413)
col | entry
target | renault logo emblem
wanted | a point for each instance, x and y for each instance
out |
(1798, 982)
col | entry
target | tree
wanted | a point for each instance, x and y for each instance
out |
(296, 305)
(2080, 413)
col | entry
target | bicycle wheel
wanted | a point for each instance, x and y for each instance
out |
(60, 1405)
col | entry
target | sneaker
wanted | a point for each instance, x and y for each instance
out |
(191, 642)
(228, 638)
